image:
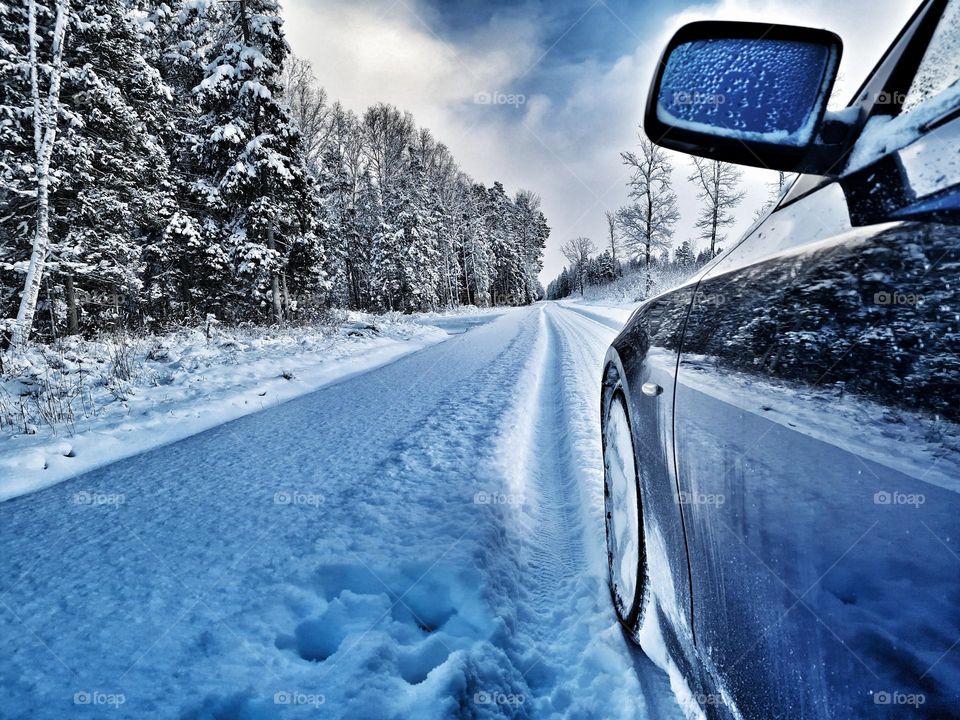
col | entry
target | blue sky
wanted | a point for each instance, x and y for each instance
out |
(572, 76)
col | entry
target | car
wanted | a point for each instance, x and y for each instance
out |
(781, 433)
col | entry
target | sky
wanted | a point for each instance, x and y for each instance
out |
(544, 95)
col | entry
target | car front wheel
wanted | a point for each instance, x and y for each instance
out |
(623, 514)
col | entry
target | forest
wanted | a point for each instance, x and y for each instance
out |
(167, 163)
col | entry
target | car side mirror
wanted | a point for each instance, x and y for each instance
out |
(747, 93)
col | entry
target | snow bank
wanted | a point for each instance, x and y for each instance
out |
(85, 404)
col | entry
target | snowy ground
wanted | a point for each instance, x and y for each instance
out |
(180, 384)
(422, 540)
(603, 311)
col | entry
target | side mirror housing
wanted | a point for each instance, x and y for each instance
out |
(747, 93)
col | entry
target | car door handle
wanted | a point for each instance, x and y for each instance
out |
(651, 389)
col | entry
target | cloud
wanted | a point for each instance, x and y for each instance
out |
(366, 52)
(578, 112)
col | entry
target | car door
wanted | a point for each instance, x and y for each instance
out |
(641, 364)
(817, 428)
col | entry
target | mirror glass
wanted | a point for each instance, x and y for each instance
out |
(759, 90)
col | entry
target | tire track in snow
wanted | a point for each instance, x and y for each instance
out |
(608, 323)
(567, 643)
(584, 344)
(557, 559)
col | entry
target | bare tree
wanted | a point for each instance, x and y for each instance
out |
(647, 222)
(44, 136)
(776, 190)
(718, 187)
(387, 134)
(578, 252)
(308, 106)
(613, 235)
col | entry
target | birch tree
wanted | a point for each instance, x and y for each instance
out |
(718, 185)
(613, 235)
(647, 222)
(309, 108)
(45, 112)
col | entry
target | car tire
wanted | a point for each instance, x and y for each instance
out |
(623, 516)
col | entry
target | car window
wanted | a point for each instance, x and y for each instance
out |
(933, 96)
(940, 67)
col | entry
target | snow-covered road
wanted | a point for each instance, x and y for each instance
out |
(423, 540)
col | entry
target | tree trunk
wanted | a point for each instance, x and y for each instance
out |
(53, 319)
(73, 327)
(285, 293)
(716, 208)
(274, 281)
(713, 229)
(38, 257)
(649, 237)
(44, 150)
(466, 276)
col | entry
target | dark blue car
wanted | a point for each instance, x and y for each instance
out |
(782, 433)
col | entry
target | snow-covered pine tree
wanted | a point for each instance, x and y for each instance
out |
(305, 282)
(118, 195)
(335, 189)
(530, 227)
(183, 274)
(363, 220)
(454, 223)
(419, 222)
(17, 153)
(386, 268)
(478, 260)
(343, 178)
(440, 182)
(496, 210)
(684, 254)
(257, 187)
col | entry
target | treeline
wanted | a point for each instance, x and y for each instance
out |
(164, 161)
(602, 270)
